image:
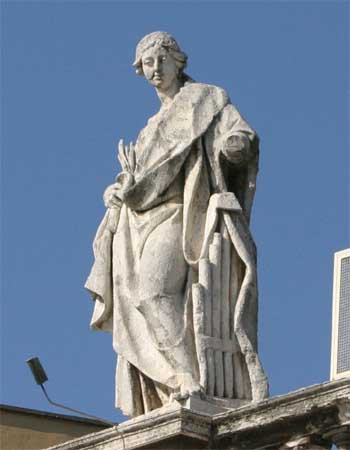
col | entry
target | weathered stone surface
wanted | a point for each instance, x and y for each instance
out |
(306, 412)
(307, 419)
(156, 427)
(340, 433)
(174, 277)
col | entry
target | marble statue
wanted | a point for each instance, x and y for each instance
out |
(174, 278)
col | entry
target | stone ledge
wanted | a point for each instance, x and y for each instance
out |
(155, 427)
(298, 403)
(311, 412)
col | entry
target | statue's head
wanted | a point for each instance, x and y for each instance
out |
(160, 59)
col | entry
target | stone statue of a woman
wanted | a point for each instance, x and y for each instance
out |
(174, 278)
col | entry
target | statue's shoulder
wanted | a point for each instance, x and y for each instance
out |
(204, 92)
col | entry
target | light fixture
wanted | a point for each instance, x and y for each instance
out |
(40, 378)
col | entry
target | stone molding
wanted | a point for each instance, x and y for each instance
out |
(305, 411)
(308, 419)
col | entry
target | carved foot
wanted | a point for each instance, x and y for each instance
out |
(186, 391)
(188, 388)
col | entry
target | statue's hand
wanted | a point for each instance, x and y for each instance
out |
(236, 149)
(111, 196)
(124, 181)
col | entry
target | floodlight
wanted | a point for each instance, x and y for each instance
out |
(41, 377)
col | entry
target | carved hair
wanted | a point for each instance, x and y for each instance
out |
(164, 40)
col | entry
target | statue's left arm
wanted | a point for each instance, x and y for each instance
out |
(233, 141)
(236, 136)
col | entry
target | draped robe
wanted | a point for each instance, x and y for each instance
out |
(180, 171)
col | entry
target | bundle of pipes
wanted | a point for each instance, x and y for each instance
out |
(213, 306)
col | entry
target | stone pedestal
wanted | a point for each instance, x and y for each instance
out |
(313, 418)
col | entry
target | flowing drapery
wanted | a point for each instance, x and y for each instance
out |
(179, 169)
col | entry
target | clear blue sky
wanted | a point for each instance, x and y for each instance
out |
(69, 93)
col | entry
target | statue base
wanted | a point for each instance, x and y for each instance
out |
(210, 405)
(312, 418)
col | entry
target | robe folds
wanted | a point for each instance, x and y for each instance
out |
(183, 191)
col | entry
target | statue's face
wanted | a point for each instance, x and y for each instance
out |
(159, 67)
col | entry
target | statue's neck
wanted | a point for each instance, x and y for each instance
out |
(167, 96)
